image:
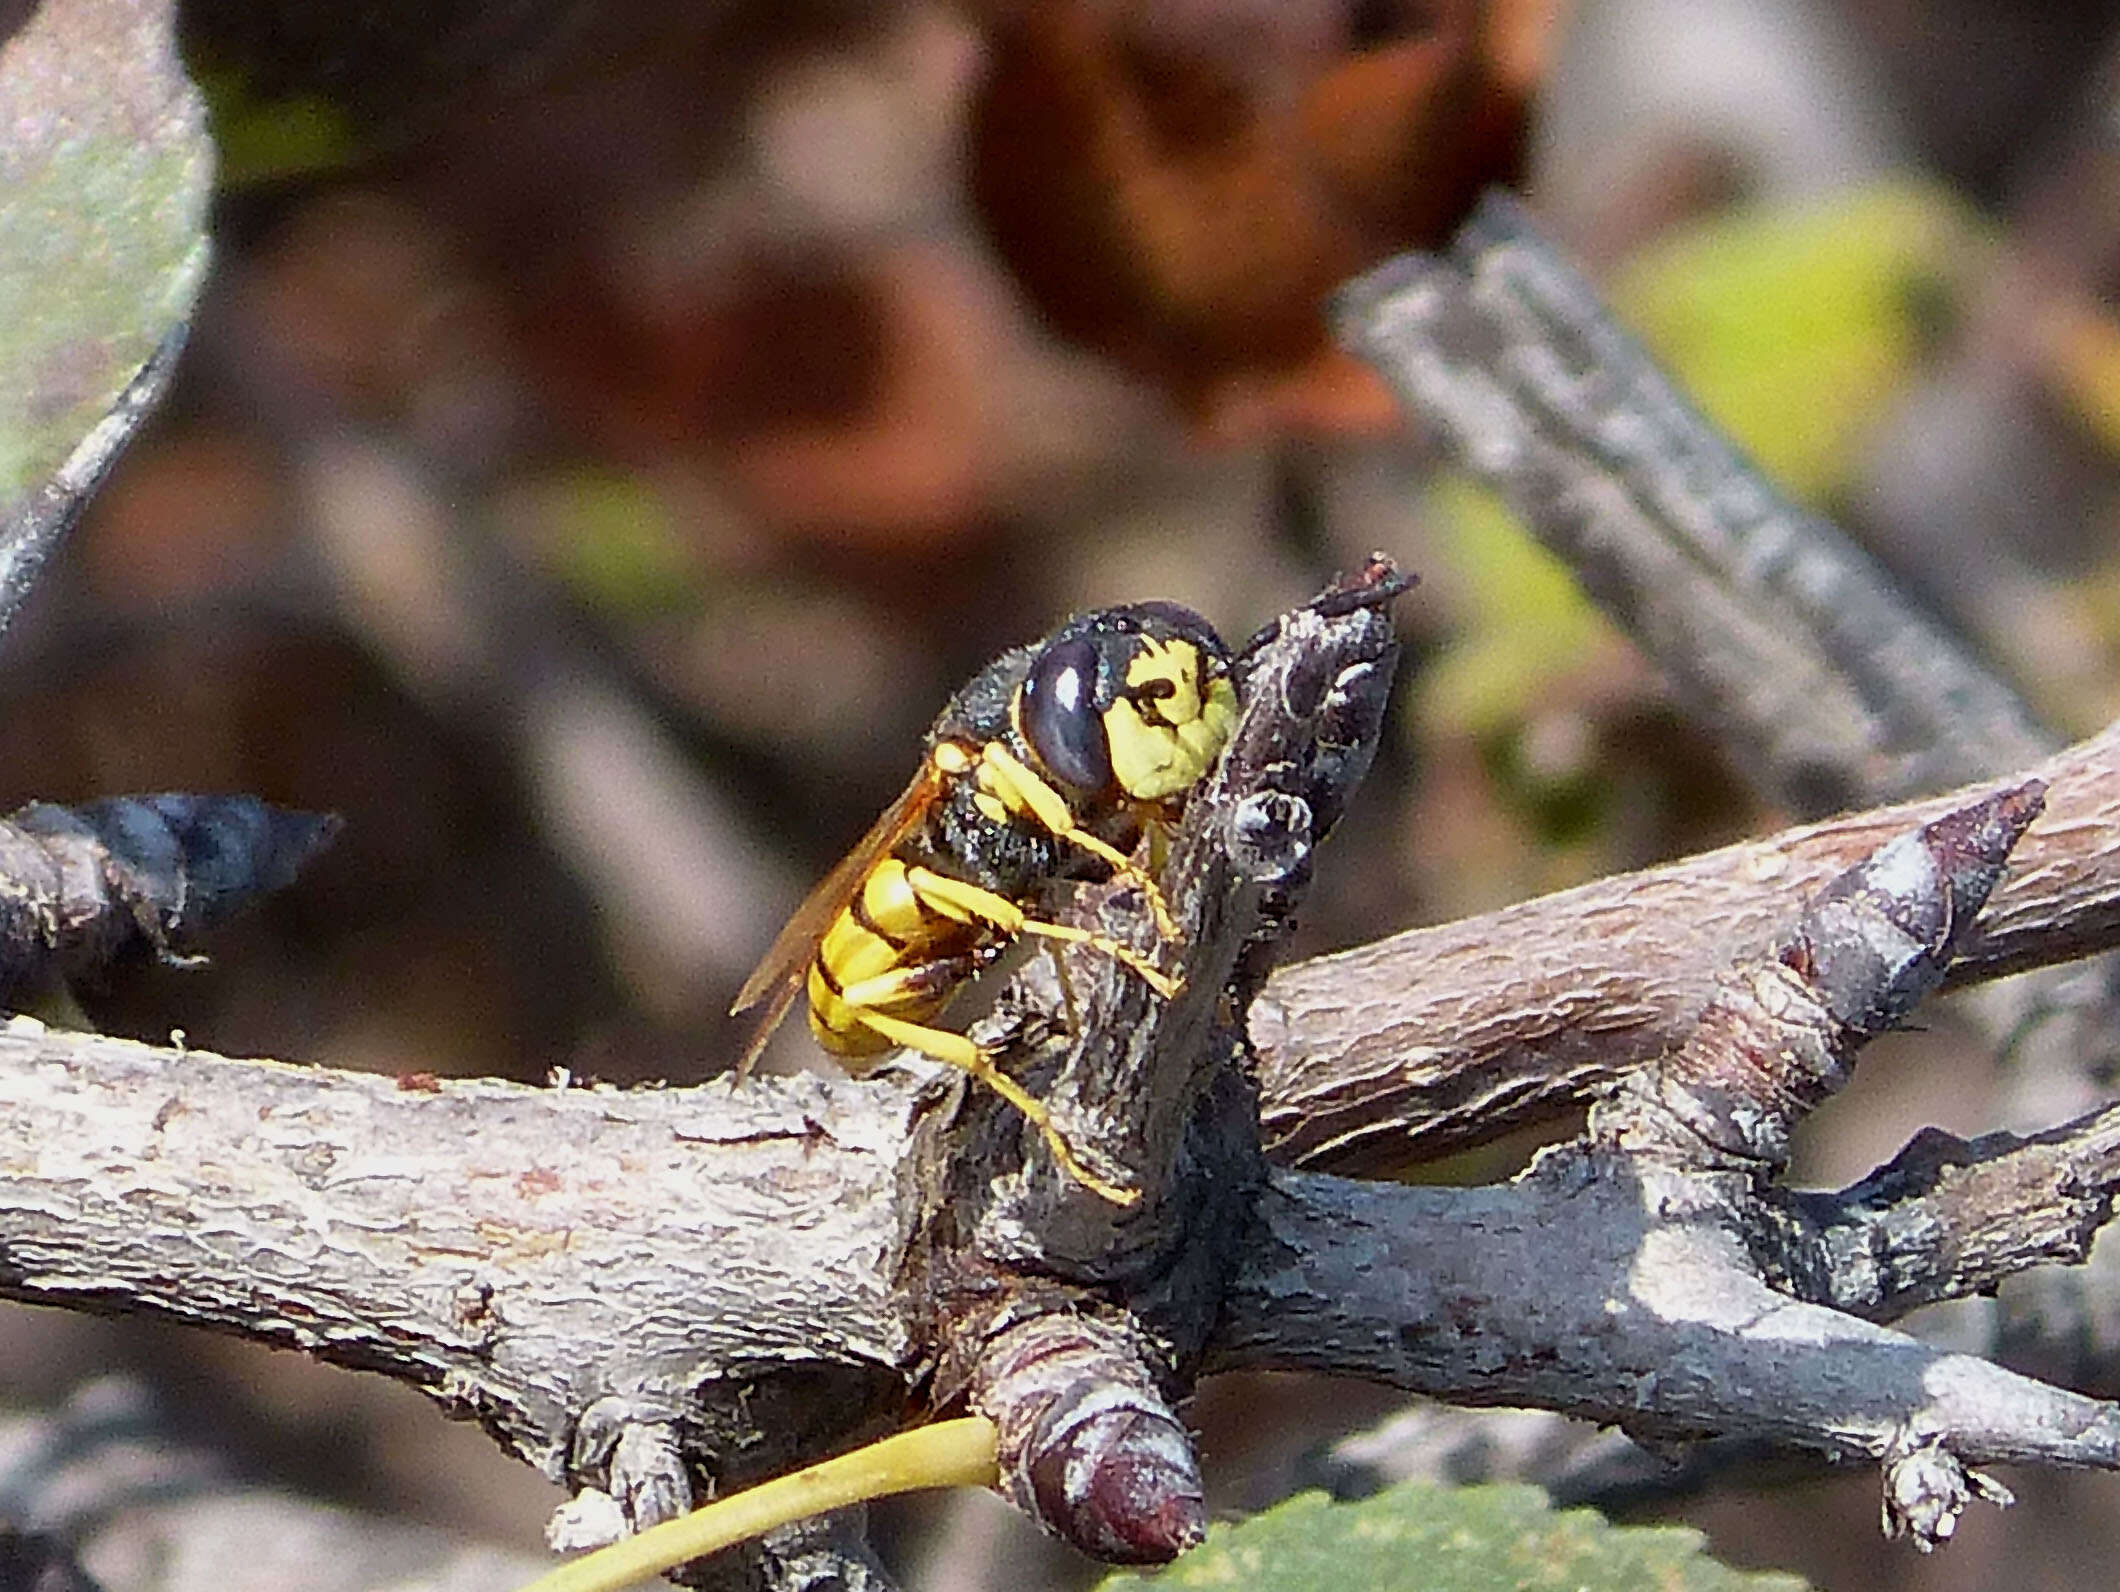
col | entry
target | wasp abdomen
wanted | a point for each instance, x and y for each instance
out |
(888, 951)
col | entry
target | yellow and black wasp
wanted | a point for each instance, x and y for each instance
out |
(1052, 759)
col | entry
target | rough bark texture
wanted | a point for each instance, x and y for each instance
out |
(510, 1250)
(572, 1266)
(1431, 1040)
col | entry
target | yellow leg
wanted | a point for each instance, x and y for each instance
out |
(1024, 790)
(969, 903)
(960, 1051)
(899, 985)
(1151, 975)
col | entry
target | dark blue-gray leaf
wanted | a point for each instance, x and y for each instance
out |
(84, 886)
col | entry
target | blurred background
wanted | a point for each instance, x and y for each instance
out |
(611, 432)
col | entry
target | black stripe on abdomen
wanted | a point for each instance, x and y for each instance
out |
(858, 909)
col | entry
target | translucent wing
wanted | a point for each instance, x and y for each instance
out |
(778, 978)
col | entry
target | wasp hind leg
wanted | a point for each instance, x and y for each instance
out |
(963, 1052)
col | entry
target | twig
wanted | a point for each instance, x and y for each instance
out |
(1442, 1037)
(82, 886)
(1664, 1330)
(2000, 1204)
(722, 1266)
(399, 1228)
(1822, 681)
(1074, 1324)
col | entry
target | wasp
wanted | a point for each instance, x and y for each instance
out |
(1041, 768)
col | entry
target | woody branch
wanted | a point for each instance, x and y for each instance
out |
(1825, 685)
(535, 1257)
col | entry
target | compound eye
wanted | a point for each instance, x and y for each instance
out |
(1060, 719)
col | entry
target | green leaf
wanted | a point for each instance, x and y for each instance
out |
(1419, 1538)
(1795, 328)
(103, 196)
(1526, 621)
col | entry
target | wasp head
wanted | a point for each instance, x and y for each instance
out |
(1133, 701)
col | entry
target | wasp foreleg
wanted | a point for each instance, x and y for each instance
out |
(1021, 790)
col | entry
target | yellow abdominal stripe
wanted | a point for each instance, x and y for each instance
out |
(1156, 761)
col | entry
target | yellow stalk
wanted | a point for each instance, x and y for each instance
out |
(959, 1453)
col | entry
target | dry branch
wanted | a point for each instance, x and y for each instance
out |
(1777, 632)
(1827, 684)
(1692, 1299)
(646, 1292)
(1437, 1038)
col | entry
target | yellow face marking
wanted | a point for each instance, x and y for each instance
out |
(1173, 669)
(1168, 743)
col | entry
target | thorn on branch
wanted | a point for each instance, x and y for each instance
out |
(1781, 1034)
(89, 884)
(1878, 939)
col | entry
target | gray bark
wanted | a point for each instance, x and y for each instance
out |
(715, 1264)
